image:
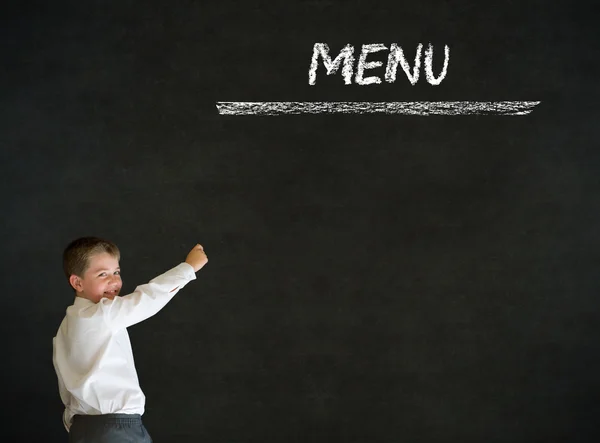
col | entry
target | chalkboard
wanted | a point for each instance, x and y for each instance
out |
(394, 257)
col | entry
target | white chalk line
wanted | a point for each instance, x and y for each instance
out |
(406, 108)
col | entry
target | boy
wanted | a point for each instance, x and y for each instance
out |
(92, 354)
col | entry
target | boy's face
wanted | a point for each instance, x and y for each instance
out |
(101, 279)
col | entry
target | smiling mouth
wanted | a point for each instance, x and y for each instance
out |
(112, 292)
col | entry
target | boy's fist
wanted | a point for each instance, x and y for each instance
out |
(196, 258)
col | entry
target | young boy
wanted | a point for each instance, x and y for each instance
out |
(92, 354)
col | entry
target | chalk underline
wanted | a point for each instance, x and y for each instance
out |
(424, 108)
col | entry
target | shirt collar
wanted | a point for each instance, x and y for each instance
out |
(80, 301)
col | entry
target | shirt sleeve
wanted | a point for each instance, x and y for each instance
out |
(64, 394)
(147, 299)
(62, 390)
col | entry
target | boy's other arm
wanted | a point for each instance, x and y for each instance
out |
(148, 299)
(62, 390)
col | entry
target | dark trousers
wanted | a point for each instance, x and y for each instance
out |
(108, 428)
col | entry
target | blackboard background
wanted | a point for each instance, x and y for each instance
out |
(371, 278)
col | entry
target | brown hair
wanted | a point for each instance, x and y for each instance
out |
(76, 256)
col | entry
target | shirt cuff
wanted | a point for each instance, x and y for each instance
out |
(187, 270)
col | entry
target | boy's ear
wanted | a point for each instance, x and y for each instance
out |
(75, 282)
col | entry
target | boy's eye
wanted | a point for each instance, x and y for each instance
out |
(118, 272)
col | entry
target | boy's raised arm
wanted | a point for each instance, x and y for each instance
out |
(146, 300)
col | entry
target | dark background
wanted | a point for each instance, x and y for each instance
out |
(371, 278)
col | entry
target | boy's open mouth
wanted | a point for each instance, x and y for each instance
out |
(111, 292)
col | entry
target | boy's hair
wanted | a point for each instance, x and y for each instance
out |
(76, 256)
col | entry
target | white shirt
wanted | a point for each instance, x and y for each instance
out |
(92, 353)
